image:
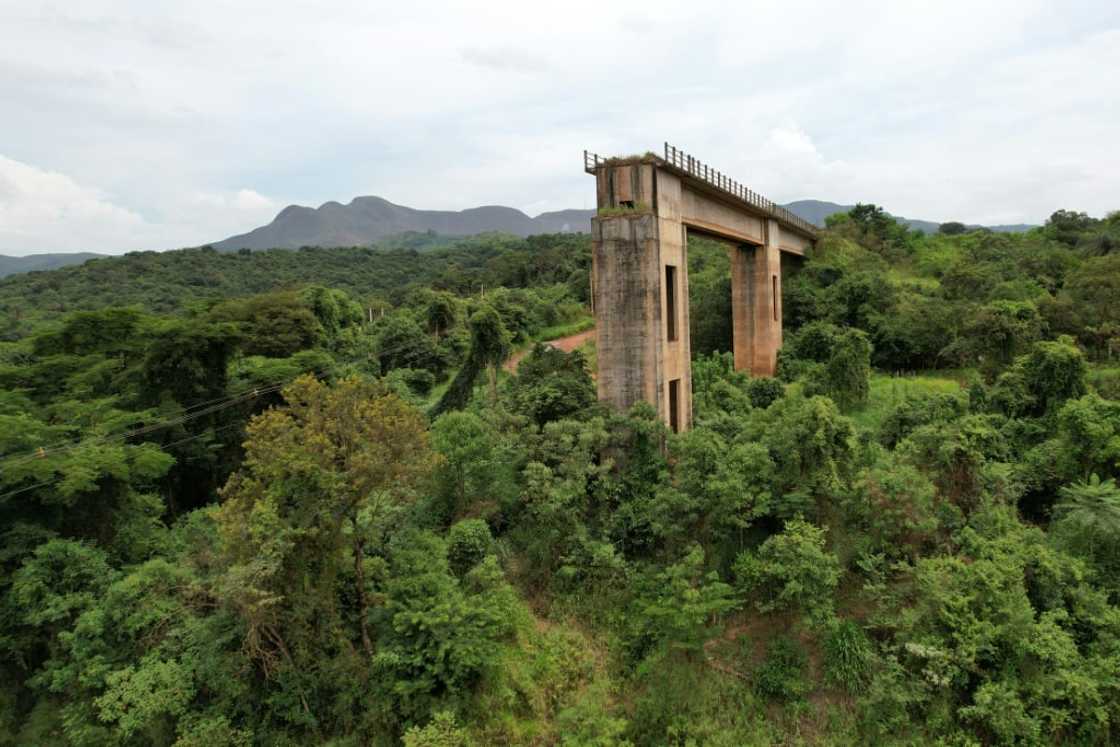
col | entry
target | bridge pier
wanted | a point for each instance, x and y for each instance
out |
(640, 296)
(639, 275)
(756, 304)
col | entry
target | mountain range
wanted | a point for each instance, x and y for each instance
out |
(367, 220)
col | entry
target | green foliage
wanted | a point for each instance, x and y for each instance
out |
(719, 392)
(441, 731)
(1086, 441)
(1007, 592)
(468, 542)
(402, 343)
(443, 634)
(709, 295)
(531, 568)
(472, 469)
(812, 447)
(1087, 522)
(490, 346)
(918, 408)
(1067, 226)
(894, 505)
(846, 374)
(334, 309)
(962, 457)
(791, 571)
(765, 391)
(174, 281)
(551, 385)
(1000, 331)
(848, 656)
(273, 324)
(683, 602)
(490, 341)
(441, 313)
(1041, 381)
(719, 489)
(322, 478)
(782, 674)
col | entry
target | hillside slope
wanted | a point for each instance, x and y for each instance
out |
(815, 211)
(12, 265)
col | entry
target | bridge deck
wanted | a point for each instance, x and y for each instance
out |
(699, 176)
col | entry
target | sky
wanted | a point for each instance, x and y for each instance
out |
(155, 124)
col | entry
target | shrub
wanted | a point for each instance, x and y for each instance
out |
(791, 570)
(916, 410)
(441, 731)
(847, 656)
(468, 542)
(846, 375)
(763, 392)
(781, 676)
(416, 381)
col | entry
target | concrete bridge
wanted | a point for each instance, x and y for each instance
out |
(647, 207)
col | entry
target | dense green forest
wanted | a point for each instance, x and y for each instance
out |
(292, 497)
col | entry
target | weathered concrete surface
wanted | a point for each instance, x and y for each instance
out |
(640, 241)
(627, 301)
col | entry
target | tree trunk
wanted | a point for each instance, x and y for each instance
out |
(363, 604)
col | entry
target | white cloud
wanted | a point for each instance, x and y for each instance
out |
(47, 211)
(246, 200)
(176, 120)
(44, 211)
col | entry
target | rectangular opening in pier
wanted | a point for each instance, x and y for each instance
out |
(774, 295)
(671, 303)
(674, 405)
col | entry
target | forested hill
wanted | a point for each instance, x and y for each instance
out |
(172, 281)
(230, 520)
(33, 262)
(817, 211)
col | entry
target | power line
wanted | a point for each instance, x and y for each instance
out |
(194, 411)
(57, 477)
(191, 412)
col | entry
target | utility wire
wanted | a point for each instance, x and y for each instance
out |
(57, 477)
(190, 413)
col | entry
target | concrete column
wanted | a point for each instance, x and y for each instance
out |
(627, 309)
(756, 304)
(742, 306)
(767, 281)
(640, 294)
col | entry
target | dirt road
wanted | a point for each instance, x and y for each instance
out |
(567, 344)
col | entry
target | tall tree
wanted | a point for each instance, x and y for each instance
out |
(326, 471)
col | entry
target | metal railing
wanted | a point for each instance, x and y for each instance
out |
(592, 161)
(723, 183)
(681, 161)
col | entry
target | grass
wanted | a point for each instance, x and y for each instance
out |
(591, 353)
(564, 330)
(887, 391)
(637, 209)
(909, 277)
